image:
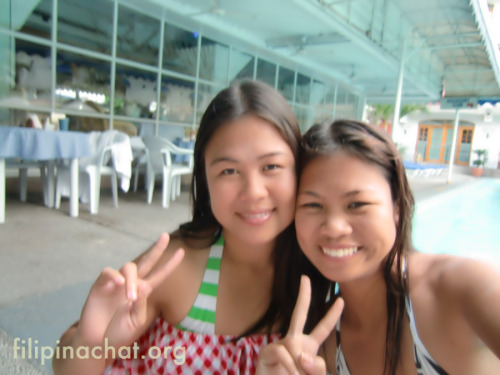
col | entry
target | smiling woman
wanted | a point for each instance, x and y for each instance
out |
(232, 269)
(401, 306)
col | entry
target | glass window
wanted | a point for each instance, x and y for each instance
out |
(176, 102)
(330, 98)
(138, 36)
(345, 107)
(180, 50)
(322, 111)
(82, 83)
(37, 21)
(286, 80)
(321, 116)
(135, 92)
(34, 72)
(342, 106)
(303, 90)
(266, 72)
(242, 65)
(87, 24)
(205, 95)
(304, 117)
(318, 93)
(8, 119)
(214, 61)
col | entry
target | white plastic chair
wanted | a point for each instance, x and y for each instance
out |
(140, 158)
(185, 167)
(101, 163)
(159, 161)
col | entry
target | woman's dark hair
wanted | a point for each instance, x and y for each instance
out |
(374, 146)
(238, 100)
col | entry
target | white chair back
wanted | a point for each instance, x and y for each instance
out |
(159, 153)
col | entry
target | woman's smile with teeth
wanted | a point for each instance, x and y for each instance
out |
(256, 217)
(339, 253)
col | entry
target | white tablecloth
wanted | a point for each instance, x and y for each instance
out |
(35, 144)
(47, 146)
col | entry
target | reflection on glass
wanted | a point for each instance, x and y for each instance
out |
(33, 72)
(37, 23)
(176, 102)
(286, 79)
(242, 65)
(266, 72)
(345, 106)
(304, 116)
(319, 99)
(214, 61)
(135, 92)
(138, 36)
(205, 95)
(318, 92)
(330, 97)
(83, 83)
(82, 79)
(320, 116)
(87, 24)
(6, 119)
(180, 50)
(303, 90)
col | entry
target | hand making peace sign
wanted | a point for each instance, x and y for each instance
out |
(296, 353)
(116, 307)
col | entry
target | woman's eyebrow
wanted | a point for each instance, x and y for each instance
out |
(232, 160)
(314, 194)
(273, 153)
(353, 192)
(309, 193)
(222, 159)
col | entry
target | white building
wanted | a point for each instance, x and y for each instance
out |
(427, 135)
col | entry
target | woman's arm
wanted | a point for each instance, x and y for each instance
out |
(117, 311)
(475, 287)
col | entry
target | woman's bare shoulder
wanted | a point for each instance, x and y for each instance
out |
(449, 274)
(176, 293)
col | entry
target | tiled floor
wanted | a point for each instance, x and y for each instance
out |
(48, 260)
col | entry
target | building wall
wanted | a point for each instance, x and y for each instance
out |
(486, 130)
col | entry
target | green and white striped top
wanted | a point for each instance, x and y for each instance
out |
(201, 317)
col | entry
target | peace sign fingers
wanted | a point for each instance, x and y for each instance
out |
(326, 325)
(299, 315)
(303, 348)
(149, 259)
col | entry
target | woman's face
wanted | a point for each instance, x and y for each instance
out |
(345, 218)
(251, 178)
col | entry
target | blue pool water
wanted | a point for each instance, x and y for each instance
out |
(464, 221)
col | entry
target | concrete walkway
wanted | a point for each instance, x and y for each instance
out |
(48, 261)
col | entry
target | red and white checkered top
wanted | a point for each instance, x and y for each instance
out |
(165, 349)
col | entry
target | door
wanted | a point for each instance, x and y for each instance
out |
(464, 142)
(434, 144)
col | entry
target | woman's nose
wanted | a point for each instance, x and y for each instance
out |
(336, 225)
(254, 187)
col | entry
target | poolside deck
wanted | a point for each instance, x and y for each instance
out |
(48, 260)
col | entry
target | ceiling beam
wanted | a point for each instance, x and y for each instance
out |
(305, 40)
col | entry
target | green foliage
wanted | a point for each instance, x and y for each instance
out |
(386, 111)
(481, 158)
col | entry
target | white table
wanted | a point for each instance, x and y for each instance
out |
(47, 146)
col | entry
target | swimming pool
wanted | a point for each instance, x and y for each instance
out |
(464, 221)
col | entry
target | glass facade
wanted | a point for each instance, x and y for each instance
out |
(110, 61)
